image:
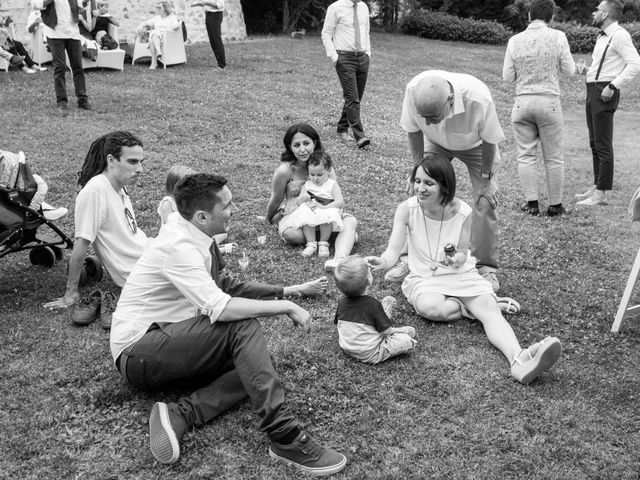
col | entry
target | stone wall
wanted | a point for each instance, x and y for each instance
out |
(130, 13)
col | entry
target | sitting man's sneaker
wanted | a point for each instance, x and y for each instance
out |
(490, 276)
(88, 309)
(309, 456)
(397, 272)
(166, 427)
(531, 362)
(107, 307)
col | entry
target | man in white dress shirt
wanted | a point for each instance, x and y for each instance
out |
(345, 36)
(181, 320)
(614, 63)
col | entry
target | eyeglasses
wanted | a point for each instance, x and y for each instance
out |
(130, 220)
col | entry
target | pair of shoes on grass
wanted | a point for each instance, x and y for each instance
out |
(96, 305)
(167, 426)
(312, 247)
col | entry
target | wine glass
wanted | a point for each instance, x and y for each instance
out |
(243, 262)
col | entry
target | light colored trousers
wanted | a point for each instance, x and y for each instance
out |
(538, 119)
(484, 219)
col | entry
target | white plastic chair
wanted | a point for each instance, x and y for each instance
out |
(113, 59)
(173, 50)
(39, 52)
(624, 309)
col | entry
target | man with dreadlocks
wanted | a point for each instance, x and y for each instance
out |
(104, 216)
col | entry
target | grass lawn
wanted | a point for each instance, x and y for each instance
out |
(448, 410)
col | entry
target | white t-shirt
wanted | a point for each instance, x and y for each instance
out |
(105, 218)
(473, 118)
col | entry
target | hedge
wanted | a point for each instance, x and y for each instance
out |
(443, 26)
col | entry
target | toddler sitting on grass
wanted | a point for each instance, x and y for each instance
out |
(364, 329)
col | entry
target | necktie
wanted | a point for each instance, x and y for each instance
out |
(356, 27)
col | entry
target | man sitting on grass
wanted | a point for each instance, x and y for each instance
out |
(181, 320)
(104, 215)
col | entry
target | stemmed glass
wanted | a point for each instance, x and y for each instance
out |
(244, 261)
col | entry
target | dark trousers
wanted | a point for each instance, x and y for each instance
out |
(213, 22)
(73, 49)
(600, 125)
(352, 69)
(224, 362)
(17, 48)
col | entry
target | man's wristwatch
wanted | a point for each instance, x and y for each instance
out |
(613, 87)
(486, 175)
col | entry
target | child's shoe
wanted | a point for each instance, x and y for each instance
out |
(310, 249)
(323, 249)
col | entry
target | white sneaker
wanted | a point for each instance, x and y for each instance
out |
(26, 69)
(38, 68)
(590, 191)
(397, 272)
(52, 213)
(598, 198)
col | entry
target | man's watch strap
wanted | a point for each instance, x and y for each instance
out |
(486, 175)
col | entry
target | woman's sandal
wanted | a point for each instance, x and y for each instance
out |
(508, 306)
(310, 249)
(323, 249)
(546, 355)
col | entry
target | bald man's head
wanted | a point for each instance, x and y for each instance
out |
(430, 97)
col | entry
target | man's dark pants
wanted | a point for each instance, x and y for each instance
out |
(600, 125)
(352, 69)
(213, 22)
(224, 362)
(73, 48)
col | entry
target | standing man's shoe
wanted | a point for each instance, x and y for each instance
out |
(363, 142)
(556, 210)
(598, 198)
(85, 105)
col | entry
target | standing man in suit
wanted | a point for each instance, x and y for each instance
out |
(61, 18)
(213, 10)
(614, 63)
(345, 36)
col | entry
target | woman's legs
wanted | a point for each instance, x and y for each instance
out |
(499, 332)
(155, 47)
(437, 307)
(294, 236)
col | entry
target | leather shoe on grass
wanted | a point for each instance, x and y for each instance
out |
(526, 208)
(84, 105)
(309, 456)
(107, 307)
(554, 211)
(363, 142)
(87, 310)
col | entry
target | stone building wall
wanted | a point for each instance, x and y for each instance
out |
(130, 13)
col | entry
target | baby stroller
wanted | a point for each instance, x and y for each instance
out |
(21, 216)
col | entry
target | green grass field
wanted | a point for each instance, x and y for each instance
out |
(448, 410)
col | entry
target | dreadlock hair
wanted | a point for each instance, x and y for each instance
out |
(110, 144)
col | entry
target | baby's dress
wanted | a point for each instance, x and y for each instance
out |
(304, 216)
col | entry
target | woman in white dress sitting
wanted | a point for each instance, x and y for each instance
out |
(443, 282)
(154, 31)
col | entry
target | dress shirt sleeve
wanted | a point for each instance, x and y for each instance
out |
(186, 268)
(623, 45)
(253, 290)
(566, 63)
(508, 68)
(328, 30)
(489, 128)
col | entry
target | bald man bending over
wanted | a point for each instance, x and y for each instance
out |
(453, 114)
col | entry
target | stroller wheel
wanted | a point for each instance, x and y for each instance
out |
(43, 256)
(92, 271)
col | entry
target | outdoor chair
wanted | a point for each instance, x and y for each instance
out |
(173, 52)
(39, 52)
(113, 59)
(624, 309)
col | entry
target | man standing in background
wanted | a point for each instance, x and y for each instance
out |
(213, 10)
(345, 36)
